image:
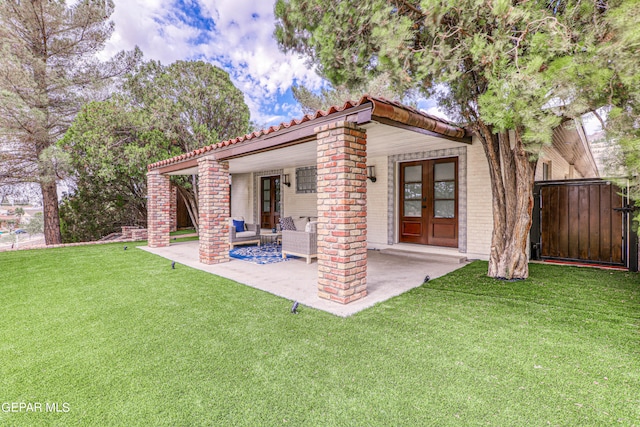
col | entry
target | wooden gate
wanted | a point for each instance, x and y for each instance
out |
(581, 220)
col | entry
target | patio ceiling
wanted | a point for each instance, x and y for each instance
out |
(382, 140)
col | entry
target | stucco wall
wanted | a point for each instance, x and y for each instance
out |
(377, 204)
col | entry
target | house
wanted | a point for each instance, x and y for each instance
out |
(375, 173)
(9, 220)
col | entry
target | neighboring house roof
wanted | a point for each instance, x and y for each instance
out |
(366, 109)
(6, 218)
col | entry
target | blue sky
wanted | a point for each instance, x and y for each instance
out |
(236, 35)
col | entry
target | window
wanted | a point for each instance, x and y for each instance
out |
(413, 191)
(546, 171)
(306, 179)
(444, 190)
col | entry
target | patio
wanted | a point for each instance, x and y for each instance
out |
(388, 274)
(338, 168)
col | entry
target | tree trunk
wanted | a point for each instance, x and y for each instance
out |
(512, 173)
(190, 203)
(194, 212)
(52, 234)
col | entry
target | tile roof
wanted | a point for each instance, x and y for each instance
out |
(381, 107)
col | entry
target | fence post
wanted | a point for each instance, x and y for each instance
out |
(534, 233)
(633, 242)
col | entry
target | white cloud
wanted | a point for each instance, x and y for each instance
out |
(240, 41)
(430, 106)
(435, 111)
(153, 25)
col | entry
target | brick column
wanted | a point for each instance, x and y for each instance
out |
(158, 209)
(174, 208)
(342, 212)
(213, 207)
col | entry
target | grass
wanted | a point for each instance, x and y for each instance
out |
(183, 231)
(123, 339)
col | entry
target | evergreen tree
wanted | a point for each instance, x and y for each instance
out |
(161, 111)
(35, 224)
(510, 71)
(109, 145)
(48, 69)
(379, 86)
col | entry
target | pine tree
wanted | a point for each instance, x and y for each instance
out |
(48, 70)
(509, 71)
(161, 111)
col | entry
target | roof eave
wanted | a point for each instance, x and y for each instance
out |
(303, 130)
(405, 117)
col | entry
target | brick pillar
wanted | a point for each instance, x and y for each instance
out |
(174, 208)
(342, 212)
(158, 209)
(213, 207)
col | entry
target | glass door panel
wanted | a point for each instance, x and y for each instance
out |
(428, 202)
(412, 208)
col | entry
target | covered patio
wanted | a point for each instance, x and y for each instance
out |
(389, 273)
(340, 145)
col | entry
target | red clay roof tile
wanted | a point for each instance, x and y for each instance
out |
(383, 107)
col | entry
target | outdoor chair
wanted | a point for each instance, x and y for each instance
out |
(248, 234)
(301, 243)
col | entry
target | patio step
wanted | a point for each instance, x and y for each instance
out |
(419, 255)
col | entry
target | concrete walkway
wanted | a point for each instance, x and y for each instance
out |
(388, 275)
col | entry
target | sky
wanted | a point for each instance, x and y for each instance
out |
(235, 35)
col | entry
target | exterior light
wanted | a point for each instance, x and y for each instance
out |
(286, 180)
(371, 173)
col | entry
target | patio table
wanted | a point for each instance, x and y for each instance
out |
(270, 237)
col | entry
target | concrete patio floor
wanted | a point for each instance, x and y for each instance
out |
(388, 275)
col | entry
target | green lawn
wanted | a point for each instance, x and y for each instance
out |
(183, 231)
(118, 338)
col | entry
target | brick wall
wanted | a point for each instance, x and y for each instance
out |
(242, 197)
(298, 204)
(342, 212)
(214, 210)
(174, 208)
(158, 209)
(127, 231)
(479, 203)
(560, 168)
(479, 198)
(377, 202)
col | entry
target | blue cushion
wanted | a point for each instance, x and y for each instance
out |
(239, 225)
